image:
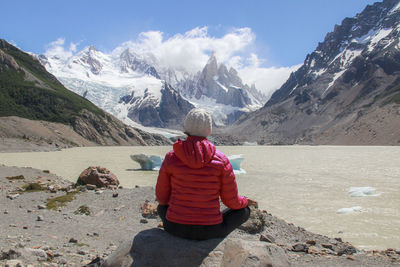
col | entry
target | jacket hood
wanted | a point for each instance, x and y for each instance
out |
(195, 152)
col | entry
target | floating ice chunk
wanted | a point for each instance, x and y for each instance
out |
(362, 191)
(349, 210)
(246, 143)
(152, 162)
(236, 160)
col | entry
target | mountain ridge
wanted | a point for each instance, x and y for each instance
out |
(29, 91)
(346, 91)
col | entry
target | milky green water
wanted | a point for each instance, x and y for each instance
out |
(305, 185)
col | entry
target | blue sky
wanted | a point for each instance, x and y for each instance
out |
(265, 40)
(285, 31)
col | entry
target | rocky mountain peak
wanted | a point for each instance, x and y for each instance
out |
(130, 61)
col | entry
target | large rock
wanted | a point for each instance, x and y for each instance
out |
(156, 247)
(99, 176)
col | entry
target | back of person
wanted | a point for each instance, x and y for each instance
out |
(192, 179)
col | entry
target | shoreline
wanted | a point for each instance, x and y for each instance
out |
(63, 236)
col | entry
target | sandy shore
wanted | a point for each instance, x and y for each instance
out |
(34, 234)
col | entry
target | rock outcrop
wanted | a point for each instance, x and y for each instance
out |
(99, 176)
(156, 247)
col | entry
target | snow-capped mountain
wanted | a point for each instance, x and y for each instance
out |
(133, 87)
(347, 90)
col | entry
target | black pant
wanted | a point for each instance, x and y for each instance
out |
(231, 220)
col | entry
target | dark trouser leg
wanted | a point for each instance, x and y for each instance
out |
(231, 220)
(162, 212)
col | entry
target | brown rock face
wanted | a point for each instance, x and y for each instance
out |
(99, 176)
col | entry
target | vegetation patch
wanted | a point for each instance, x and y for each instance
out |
(18, 177)
(46, 171)
(61, 201)
(82, 210)
(32, 187)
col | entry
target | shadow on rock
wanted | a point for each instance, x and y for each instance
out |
(156, 247)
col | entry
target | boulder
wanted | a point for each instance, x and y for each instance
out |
(99, 176)
(155, 247)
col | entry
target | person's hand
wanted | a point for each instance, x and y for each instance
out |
(251, 202)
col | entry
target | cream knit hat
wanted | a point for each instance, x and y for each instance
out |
(198, 122)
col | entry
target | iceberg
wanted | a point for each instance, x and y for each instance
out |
(349, 210)
(235, 161)
(152, 162)
(362, 191)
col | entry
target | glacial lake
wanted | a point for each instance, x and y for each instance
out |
(306, 185)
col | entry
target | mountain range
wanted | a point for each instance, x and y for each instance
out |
(36, 107)
(136, 89)
(346, 92)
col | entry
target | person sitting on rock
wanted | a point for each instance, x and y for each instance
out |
(192, 179)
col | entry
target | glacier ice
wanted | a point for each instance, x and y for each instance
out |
(362, 191)
(236, 161)
(152, 162)
(349, 210)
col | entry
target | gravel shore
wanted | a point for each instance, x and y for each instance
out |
(37, 230)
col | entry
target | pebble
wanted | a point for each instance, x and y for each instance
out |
(13, 196)
(299, 247)
(267, 238)
(81, 252)
(14, 263)
(39, 218)
(73, 240)
(13, 225)
(115, 194)
(91, 186)
(6, 212)
(25, 227)
(311, 242)
(144, 221)
(329, 246)
(99, 192)
(28, 211)
(41, 207)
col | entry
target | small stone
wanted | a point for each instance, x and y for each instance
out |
(81, 252)
(136, 186)
(311, 242)
(267, 238)
(115, 194)
(329, 246)
(13, 196)
(347, 251)
(28, 211)
(73, 240)
(41, 207)
(95, 234)
(6, 212)
(338, 239)
(300, 247)
(350, 258)
(91, 186)
(14, 263)
(62, 261)
(99, 192)
(25, 227)
(13, 225)
(144, 221)
(39, 218)
(160, 225)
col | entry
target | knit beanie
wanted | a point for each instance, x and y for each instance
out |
(198, 123)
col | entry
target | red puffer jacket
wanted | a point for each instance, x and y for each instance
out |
(192, 178)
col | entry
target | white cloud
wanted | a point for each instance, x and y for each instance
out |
(190, 52)
(267, 80)
(56, 48)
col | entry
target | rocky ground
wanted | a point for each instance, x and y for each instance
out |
(46, 221)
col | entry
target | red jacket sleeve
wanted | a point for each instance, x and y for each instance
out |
(229, 190)
(163, 186)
